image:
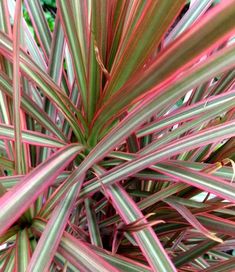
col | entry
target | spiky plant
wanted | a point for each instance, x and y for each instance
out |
(117, 136)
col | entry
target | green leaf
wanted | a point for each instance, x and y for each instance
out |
(186, 143)
(31, 108)
(7, 132)
(15, 202)
(16, 90)
(23, 251)
(227, 266)
(173, 61)
(68, 23)
(40, 24)
(92, 224)
(144, 39)
(146, 238)
(79, 254)
(50, 239)
(196, 10)
(200, 180)
(45, 83)
(77, 250)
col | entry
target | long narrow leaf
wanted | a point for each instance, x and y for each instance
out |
(16, 201)
(7, 132)
(51, 236)
(79, 253)
(174, 59)
(23, 251)
(147, 240)
(176, 147)
(16, 88)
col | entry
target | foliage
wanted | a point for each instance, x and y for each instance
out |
(49, 3)
(117, 135)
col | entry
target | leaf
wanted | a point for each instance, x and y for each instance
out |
(50, 238)
(200, 180)
(186, 143)
(55, 66)
(43, 81)
(64, 263)
(172, 62)
(196, 251)
(188, 113)
(140, 114)
(16, 89)
(31, 137)
(10, 261)
(10, 233)
(93, 225)
(31, 108)
(79, 254)
(69, 246)
(225, 173)
(228, 266)
(23, 251)
(146, 238)
(40, 24)
(150, 28)
(125, 106)
(7, 68)
(15, 202)
(218, 224)
(195, 12)
(192, 219)
(68, 23)
(97, 46)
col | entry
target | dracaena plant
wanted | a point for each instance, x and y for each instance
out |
(117, 135)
